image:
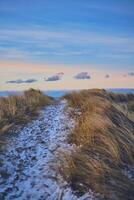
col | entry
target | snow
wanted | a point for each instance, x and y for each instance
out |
(129, 172)
(30, 159)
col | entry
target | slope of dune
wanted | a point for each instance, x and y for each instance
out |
(104, 135)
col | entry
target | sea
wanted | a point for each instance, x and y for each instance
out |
(60, 93)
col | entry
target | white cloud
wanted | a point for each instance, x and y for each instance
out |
(55, 77)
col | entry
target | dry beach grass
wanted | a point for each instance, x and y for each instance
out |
(19, 109)
(104, 136)
(103, 159)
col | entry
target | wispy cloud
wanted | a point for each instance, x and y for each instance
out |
(20, 81)
(10, 53)
(83, 75)
(40, 44)
(116, 8)
(73, 36)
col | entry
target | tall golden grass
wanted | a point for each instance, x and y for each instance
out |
(18, 109)
(104, 136)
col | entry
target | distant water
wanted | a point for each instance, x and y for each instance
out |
(56, 93)
(122, 90)
(7, 93)
(60, 93)
(52, 93)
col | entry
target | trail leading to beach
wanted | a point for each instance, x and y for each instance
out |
(30, 158)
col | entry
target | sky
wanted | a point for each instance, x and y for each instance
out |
(66, 44)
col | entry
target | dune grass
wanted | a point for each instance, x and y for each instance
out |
(131, 106)
(20, 109)
(104, 136)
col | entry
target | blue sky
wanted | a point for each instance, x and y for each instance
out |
(68, 32)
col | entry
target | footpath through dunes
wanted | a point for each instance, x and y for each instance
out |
(29, 161)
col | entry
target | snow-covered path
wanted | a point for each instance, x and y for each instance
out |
(29, 159)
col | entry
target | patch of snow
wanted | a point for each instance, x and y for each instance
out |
(29, 159)
(129, 172)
